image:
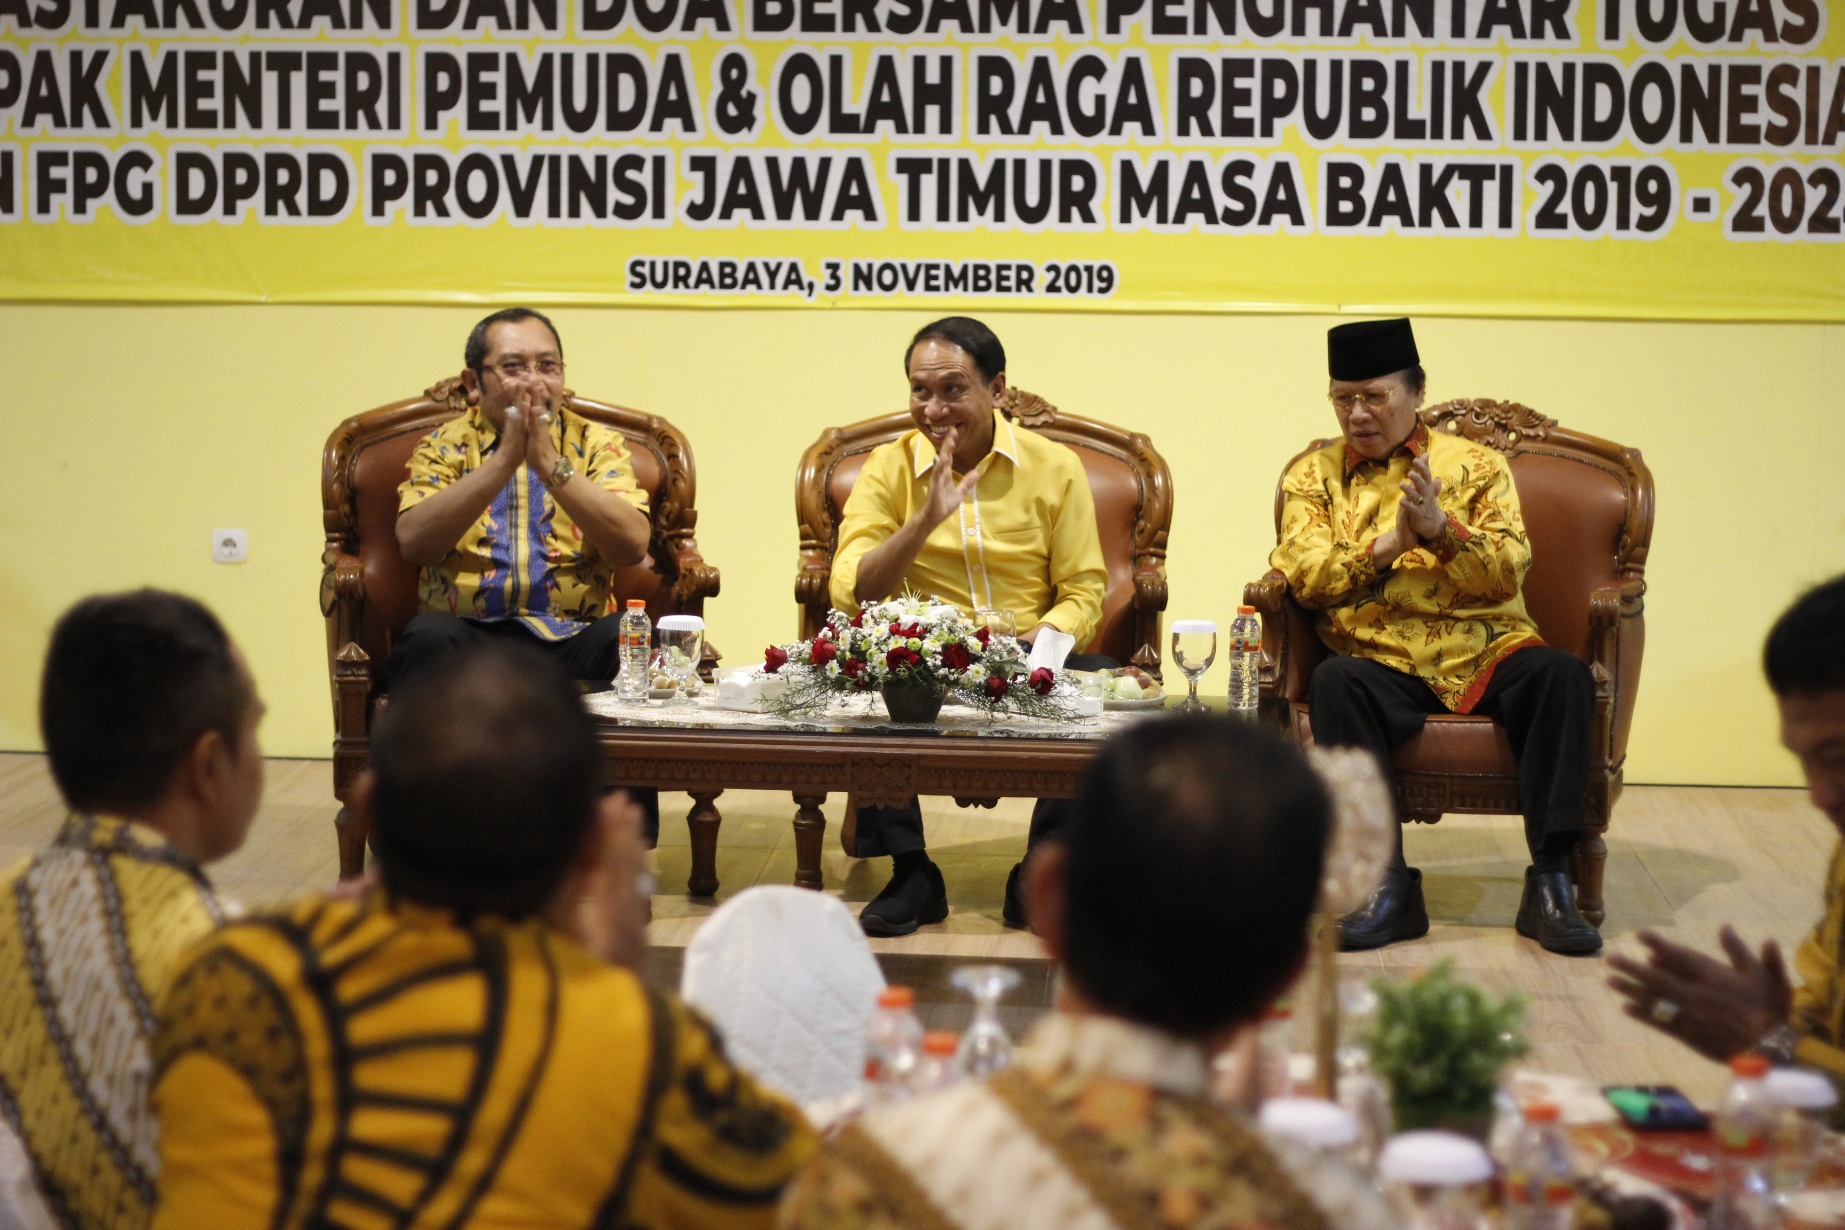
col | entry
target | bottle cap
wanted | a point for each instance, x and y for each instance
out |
(637, 604)
(941, 1042)
(1246, 610)
(1541, 1112)
(1800, 1088)
(1434, 1159)
(896, 997)
(1749, 1064)
(1312, 1121)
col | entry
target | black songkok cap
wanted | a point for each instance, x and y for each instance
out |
(1366, 349)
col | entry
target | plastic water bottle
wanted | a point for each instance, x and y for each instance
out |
(1245, 662)
(937, 1068)
(636, 638)
(893, 1047)
(1803, 1108)
(1744, 1124)
(1540, 1182)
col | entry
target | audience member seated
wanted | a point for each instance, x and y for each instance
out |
(1412, 547)
(467, 1043)
(1721, 1009)
(970, 509)
(149, 718)
(1175, 903)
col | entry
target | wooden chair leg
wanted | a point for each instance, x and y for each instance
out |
(702, 822)
(848, 828)
(1591, 861)
(809, 833)
(352, 837)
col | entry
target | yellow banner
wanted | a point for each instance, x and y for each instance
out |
(1633, 158)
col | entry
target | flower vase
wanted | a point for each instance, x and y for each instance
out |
(914, 700)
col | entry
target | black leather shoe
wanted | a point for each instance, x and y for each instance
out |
(1547, 913)
(1013, 912)
(915, 896)
(1394, 912)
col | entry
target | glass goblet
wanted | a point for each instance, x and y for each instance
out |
(996, 622)
(682, 638)
(985, 1048)
(1194, 648)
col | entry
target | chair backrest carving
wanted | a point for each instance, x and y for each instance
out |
(1133, 496)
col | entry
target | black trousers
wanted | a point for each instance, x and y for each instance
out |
(1543, 697)
(899, 830)
(591, 655)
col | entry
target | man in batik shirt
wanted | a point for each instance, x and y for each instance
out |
(518, 512)
(149, 720)
(1412, 548)
(468, 1044)
(1198, 827)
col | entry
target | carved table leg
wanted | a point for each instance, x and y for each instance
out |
(809, 832)
(352, 837)
(702, 822)
(1591, 857)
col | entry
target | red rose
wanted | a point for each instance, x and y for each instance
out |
(1043, 680)
(955, 656)
(996, 687)
(823, 651)
(901, 657)
(774, 658)
(983, 636)
(852, 668)
(858, 620)
(897, 630)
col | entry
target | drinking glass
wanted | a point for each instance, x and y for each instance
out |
(683, 639)
(985, 1048)
(999, 623)
(1194, 648)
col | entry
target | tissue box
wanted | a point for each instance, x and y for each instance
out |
(748, 691)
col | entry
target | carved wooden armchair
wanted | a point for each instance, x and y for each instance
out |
(1133, 511)
(368, 591)
(1588, 507)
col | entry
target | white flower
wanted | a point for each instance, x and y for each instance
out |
(832, 668)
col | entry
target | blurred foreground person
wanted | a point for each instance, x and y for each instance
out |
(149, 719)
(1720, 1009)
(468, 1044)
(1175, 903)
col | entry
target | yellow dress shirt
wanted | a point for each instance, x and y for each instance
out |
(1447, 611)
(525, 558)
(358, 1063)
(1819, 1001)
(1023, 541)
(90, 930)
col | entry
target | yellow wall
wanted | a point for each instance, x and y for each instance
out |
(132, 431)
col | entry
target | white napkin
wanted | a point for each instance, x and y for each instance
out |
(748, 691)
(1049, 649)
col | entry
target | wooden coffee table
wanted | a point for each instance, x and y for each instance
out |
(705, 751)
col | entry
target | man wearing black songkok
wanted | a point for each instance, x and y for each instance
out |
(1411, 547)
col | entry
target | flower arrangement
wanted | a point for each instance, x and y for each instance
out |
(918, 645)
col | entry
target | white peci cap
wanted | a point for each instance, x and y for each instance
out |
(1800, 1088)
(1194, 627)
(1434, 1159)
(681, 623)
(1312, 1121)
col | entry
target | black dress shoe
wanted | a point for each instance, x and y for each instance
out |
(915, 896)
(1547, 913)
(1012, 913)
(1394, 912)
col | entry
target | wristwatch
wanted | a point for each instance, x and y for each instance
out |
(1778, 1043)
(560, 475)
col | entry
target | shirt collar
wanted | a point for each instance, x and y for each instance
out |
(1415, 446)
(114, 835)
(1005, 443)
(1110, 1046)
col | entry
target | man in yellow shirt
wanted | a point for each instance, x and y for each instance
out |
(975, 511)
(149, 718)
(1721, 1009)
(468, 1044)
(1412, 548)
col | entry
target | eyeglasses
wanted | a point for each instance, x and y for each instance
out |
(1376, 399)
(518, 369)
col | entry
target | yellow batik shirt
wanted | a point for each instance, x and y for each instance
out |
(364, 1064)
(1819, 1002)
(1447, 611)
(1024, 540)
(525, 558)
(90, 930)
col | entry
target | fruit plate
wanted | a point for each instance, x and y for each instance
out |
(1145, 702)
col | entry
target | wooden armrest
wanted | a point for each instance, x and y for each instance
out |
(1610, 601)
(342, 581)
(1150, 588)
(1269, 595)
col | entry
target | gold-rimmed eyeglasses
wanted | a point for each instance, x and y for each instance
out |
(1376, 399)
(519, 369)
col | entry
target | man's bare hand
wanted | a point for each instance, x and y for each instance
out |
(604, 904)
(1721, 1009)
(1420, 508)
(945, 491)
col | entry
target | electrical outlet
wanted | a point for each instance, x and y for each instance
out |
(230, 546)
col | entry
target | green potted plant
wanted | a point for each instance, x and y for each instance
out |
(1440, 1043)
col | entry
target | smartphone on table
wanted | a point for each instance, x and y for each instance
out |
(1660, 1108)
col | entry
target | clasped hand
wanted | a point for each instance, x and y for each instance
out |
(527, 435)
(1419, 512)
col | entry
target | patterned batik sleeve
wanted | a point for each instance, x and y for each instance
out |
(435, 464)
(1323, 567)
(1484, 546)
(853, 1185)
(609, 466)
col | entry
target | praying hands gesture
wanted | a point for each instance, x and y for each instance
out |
(529, 429)
(1420, 516)
(1717, 1010)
